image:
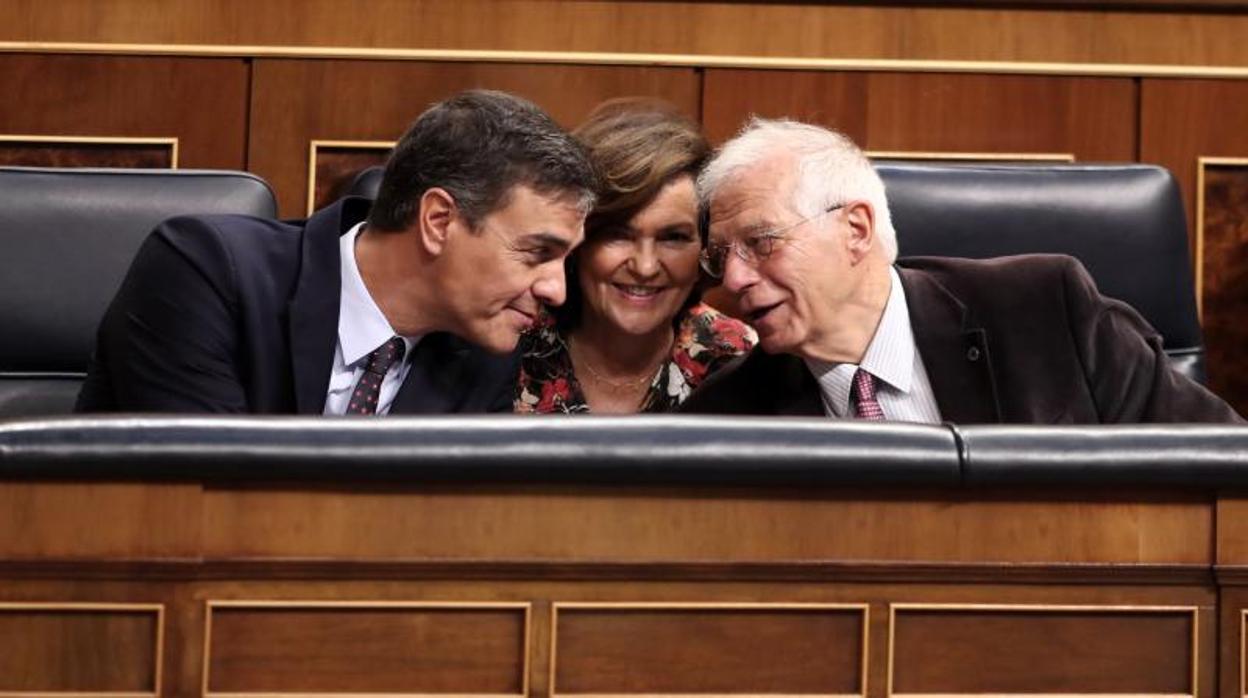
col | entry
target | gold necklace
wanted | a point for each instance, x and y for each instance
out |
(629, 383)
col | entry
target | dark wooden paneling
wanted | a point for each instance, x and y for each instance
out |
(336, 166)
(200, 101)
(295, 102)
(725, 650)
(85, 650)
(1182, 121)
(942, 31)
(367, 650)
(1225, 280)
(1042, 651)
(1091, 118)
(69, 154)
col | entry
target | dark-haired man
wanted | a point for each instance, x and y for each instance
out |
(415, 310)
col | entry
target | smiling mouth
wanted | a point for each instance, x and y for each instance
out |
(638, 291)
(759, 313)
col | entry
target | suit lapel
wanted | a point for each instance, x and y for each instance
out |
(796, 390)
(314, 307)
(435, 382)
(954, 351)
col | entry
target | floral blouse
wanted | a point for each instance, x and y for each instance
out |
(706, 340)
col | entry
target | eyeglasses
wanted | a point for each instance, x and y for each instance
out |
(752, 249)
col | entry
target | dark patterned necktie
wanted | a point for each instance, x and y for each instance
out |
(368, 389)
(863, 395)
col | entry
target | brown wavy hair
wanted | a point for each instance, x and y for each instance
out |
(637, 146)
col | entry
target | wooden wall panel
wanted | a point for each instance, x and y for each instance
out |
(46, 648)
(761, 28)
(86, 520)
(1183, 121)
(1043, 651)
(450, 523)
(366, 648)
(1091, 118)
(200, 101)
(295, 102)
(622, 649)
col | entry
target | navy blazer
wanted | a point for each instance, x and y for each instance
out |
(238, 314)
(1017, 340)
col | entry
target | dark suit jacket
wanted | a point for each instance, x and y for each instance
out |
(240, 314)
(1024, 340)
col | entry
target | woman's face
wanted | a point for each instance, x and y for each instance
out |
(635, 278)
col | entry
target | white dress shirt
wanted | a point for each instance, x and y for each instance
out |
(362, 328)
(902, 386)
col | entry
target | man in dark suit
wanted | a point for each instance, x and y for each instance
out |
(800, 232)
(415, 310)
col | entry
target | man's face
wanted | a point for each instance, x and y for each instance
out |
(794, 297)
(497, 276)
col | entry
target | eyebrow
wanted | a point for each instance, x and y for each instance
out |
(547, 239)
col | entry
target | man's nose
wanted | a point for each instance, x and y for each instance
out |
(551, 287)
(738, 274)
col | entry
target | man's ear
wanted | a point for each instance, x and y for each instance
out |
(438, 213)
(861, 236)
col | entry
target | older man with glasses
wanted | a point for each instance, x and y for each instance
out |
(800, 234)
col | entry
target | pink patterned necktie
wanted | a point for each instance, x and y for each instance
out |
(368, 389)
(863, 395)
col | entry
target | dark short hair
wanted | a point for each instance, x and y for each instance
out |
(477, 146)
(637, 147)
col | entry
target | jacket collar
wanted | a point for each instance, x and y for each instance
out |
(954, 349)
(314, 306)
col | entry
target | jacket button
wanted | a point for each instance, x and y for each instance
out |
(972, 354)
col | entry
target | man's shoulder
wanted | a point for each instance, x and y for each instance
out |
(1014, 269)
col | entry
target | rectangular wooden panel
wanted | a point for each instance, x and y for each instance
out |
(333, 166)
(723, 525)
(373, 647)
(1046, 650)
(295, 102)
(85, 648)
(80, 521)
(54, 151)
(708, 649)
(1222, 236)
(202, 102)
(1091, 118)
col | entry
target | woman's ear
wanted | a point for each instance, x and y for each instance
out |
(438, 214)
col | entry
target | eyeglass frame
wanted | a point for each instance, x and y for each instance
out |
(752, 252)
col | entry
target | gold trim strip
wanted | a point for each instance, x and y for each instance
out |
(863, 608)
(316, 144)
(1045, 608)
(674, 60)
(1202, 162)
(985, 157)
(75, 607)
(212, 604)
(172, 142)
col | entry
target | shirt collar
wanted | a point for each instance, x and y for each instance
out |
(362, 327)
(889, 356)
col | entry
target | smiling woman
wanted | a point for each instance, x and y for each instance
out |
(632, 336)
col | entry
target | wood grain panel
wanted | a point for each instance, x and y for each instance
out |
(378, 647)
(200, 101)
(296, 102)
(1043, 650)
(72, 521)
(81, 648)
(605, 649)
(1222, 217)
(807, 29)
(624, 524)
(335, 164)
(1092, 118)
(1181, 122)
(40, 152)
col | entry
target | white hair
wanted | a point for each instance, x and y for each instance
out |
(831, 169)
